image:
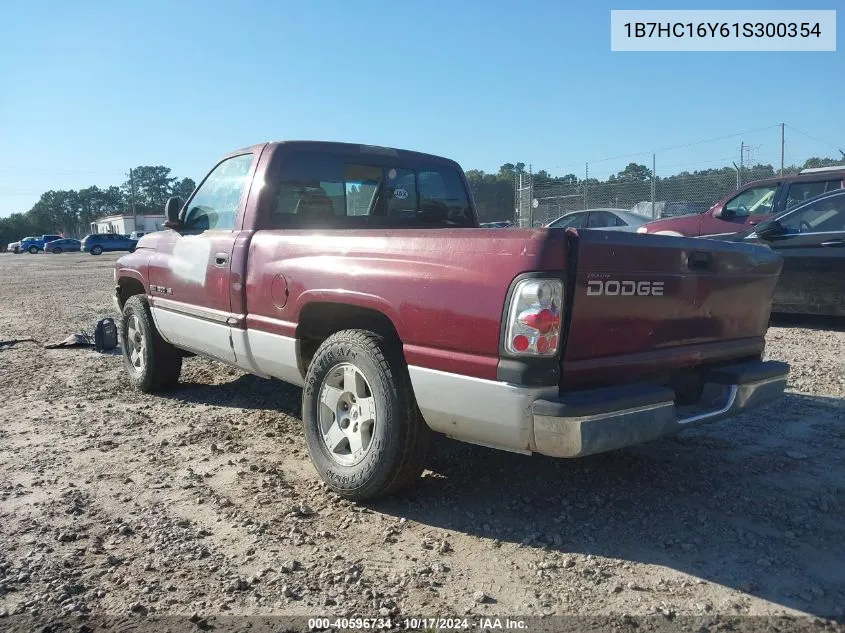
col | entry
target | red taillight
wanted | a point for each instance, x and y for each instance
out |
(534, 318)
(520, 343)
(542, 321)
(542, 345)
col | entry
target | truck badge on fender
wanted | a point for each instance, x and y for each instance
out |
(613, 287)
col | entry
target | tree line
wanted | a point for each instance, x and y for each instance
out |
(72, 211)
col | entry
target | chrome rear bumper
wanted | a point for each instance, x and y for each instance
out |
(600, 420)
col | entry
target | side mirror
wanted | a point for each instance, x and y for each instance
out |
(723, 213)
(770, 230)
(171, 212)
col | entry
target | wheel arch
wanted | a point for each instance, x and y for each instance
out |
(129, 285)
(320, 319)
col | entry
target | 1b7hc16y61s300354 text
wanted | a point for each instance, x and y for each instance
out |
(728, 30)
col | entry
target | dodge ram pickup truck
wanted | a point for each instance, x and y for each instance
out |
(361, 274)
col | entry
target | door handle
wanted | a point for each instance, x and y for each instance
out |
(834, 243)
(698, 260)
(220, 259)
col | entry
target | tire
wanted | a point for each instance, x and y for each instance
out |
(33, 250)
(393, 439)
(96, 250)
(57, 250)
(151, 362)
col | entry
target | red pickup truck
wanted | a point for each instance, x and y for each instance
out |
(361, 274)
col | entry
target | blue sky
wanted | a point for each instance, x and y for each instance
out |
(90, 89)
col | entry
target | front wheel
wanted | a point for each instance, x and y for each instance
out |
(97, 250)
(33, 250)
(151, 362)
(365, 435)
(57, 249)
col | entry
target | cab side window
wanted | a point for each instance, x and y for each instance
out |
(801, 191)
(754, 201)
(215, 203)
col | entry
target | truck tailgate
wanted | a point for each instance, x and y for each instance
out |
(640, 304)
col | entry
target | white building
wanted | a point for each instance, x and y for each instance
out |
(125, 224)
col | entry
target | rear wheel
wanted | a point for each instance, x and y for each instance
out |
(365, 435)
(96, 250)
(151, 362)
(33, 250)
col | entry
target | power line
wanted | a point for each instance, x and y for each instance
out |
(671, 147)
(720, 138)
(817, 140)
(699, 162)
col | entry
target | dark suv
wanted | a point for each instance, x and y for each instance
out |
(754, 202)
(98, 243)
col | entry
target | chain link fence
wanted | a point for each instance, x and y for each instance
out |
(540, 199)
(661, 183)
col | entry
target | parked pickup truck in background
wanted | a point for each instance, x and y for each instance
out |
(361, 274)
(751, 204)
(35, 244)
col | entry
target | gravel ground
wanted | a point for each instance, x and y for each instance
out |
(202, 501)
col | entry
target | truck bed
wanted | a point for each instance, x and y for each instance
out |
(636, 304)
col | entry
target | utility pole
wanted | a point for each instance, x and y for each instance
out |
(132, 197)
(653, 177)
(781, 148)
(586, 178)
(530, 196)
(741, 157)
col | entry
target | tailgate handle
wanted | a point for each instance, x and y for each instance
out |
(698, 260)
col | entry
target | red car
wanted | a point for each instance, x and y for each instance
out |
(361, 274)
(752, 203)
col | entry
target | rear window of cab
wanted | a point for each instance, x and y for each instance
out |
(313, 189)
